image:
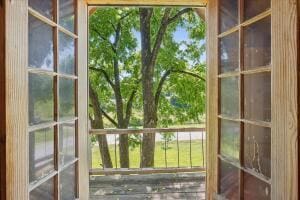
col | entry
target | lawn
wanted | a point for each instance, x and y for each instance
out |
(196, 159)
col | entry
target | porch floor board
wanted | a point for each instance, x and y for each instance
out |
(189, 186)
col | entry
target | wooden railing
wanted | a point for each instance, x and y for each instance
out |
(193, 138)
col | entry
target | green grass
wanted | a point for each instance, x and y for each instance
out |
(197, 158)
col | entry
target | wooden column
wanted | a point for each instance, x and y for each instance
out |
(16, 99)
(284, 100)
(83, 101)
(212, 99)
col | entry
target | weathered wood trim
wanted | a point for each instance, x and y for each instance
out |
(149, 2)
(125, 171)
(212, 98)
(145, 130)
(16, 97)
(83, 169)
(284, 156)
(2, 104)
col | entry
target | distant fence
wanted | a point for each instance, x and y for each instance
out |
(192, 138)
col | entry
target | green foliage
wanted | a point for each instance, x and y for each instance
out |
(182, 99)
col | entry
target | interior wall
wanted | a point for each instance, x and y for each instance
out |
(2, 103)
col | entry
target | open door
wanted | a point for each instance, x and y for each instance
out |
(252, 98)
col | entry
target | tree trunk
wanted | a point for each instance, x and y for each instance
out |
(150, 116)
(97, 123)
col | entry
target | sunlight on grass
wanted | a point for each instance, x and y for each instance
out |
(197, 153)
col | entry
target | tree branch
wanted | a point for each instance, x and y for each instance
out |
(109, 118)
(160, 35)
(105, 39)
(164, 78)
(179, 14)
(106, 76)
(130, 102)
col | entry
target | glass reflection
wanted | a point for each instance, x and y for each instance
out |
(257, 149)
(230, 97)
(257, 44)
(229, 181)
(68, 184)
(229, 53)
(255, 189)
(228, 11)
(40, 44)
(67, 14)
(230, 139)
(66, 98)
(257, 97)
(255, 7)
(41, 103)
(45, 7)
(44, 192)
(66, 54)
(66, 143)
(41, 153)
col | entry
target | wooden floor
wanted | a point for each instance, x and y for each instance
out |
(190, 186)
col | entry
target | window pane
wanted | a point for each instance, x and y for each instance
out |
(40, 99)
(44, 192)
(66, 54)
(44, 7)
(230, 139)
(257, 149)
(41, 153)
(66, 98)
(257, 44)
(255, 189)
(255, 7)
(228, 14)
(257, 97)
(229, 181)
(230, 97)
(40, 44)
(68, 184)
(229, 53)
(66, 14)
(66, 143)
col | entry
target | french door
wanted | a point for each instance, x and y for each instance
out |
(52, 103)
(253, 100)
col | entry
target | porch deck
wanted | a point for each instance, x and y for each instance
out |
(189, 186)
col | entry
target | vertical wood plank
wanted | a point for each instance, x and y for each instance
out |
(284, 155)
(212, 98)
(2, 104)
(16, 98)
(83, 101)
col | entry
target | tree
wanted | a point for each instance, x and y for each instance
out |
(113, 56)
(153, 35)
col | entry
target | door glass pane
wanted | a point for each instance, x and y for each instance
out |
(257, 44)
(257, 96)
(41, 101)
(68, 184)
(255, 189)
(228, 14)
(257, 149)
(45, 7)
(40, 44)
(230, 139)
(66, 98)
(67, 14)
(255, 7)
(229, 181)
(67, 143)
(230, 97)
(229, 51)
(66, 54)
(44, 192)
(41, 153)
